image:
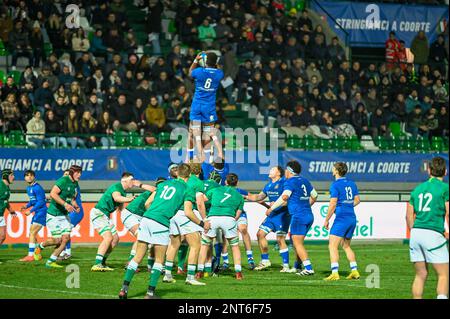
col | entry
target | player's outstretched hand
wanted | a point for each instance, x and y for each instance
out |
(69, 207)
(268, 212)
(326, 224)
(77, 208)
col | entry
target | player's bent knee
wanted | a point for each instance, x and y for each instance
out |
(234, 241)
(206, 240)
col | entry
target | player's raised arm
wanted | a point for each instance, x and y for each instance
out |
(118, 198)
(146, 187)
(194, 64)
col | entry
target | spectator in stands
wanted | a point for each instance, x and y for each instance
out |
(113, 42)
(268, 106)
(80, 44)
(72, 130)
(283, 119)
(88, 127)
(75, 89)
(438, 54)
(35, 130)
(277, 49)
(336, 52)
(443, 127)
(25, 107)
(222, 30)
(61, 92)
(372, 101)
(432, 122)
(392, 46)
(420, 49)
(9, 88)
(440, 93)
(37, 45)
(43, 97)
(97, 47)
(189, 32)
(206, 35)
(155, 117)
(153, 24)
(105, 127)
(131, 43)
(20, 44)
(6, 26)
(379, 123)
(11, 113)
(28, 76)
(60, 108)
(85, 65)
(122, 115)
(399, 109)
(319, 50)
(162, 86)
(360, 120)
(304, 20)
(65, 78)
(53, 128)
(173, 114)
(97, 84)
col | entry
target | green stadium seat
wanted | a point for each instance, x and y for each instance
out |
(409, 145)
(294, 141)
(3, 76)
(339, 144)
(423, 145)
(310, 142)
(135, 139)
(355, 145)
(382, 143)
(325, 144)
(17, 138)
(437, 144)
(16, 76)
(164, 140)
(445, 144)
(120, 139)
(2, 139)
(48, 49)
(395, 128)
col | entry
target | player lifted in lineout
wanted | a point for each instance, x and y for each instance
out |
(203, 108)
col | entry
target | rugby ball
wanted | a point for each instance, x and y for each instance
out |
(202, 61)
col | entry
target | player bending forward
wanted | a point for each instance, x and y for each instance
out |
(344, 197)
(227, 205)
(183, 226)
(169, 197)
(278, 220)
(39, 207)
(58, 223)
(203, 108)
(114, 197)
(425, 216)
(300, 195)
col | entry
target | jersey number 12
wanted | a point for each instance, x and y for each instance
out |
(428, 197)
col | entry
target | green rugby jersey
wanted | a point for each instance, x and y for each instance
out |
(4, 197)
(68, 192)
(137, 206)
(428, 200)
(225, 201)
(208, 185)
(169, 199)
(106, 204)
(196, 184)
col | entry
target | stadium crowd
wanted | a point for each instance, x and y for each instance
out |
(91, 86)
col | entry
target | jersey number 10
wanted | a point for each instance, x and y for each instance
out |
(167, 192)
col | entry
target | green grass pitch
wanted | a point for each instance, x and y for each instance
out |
(33, 280)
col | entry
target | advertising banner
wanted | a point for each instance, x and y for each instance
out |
(376, 220)
(150, 164)
(369, 24)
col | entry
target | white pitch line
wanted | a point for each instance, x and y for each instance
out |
(59, 291)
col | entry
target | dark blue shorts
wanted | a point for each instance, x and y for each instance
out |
(203, 113)
(40, 217)
(301, 225)
(278, 223)
(343, 227)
